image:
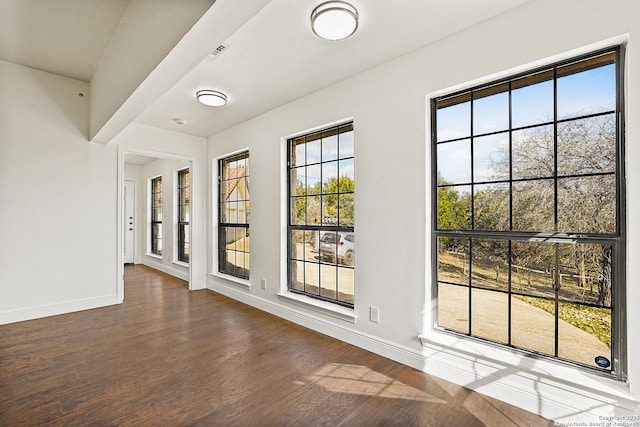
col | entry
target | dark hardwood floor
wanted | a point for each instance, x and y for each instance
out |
(172, 357)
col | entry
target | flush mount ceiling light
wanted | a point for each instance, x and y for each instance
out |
(334, 20)
(212, 98)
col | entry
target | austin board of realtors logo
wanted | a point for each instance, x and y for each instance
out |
(603, 362)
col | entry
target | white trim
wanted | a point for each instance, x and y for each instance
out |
(65, 307)
(180, 263)
(324, 307)
(152, 255)
(231, 279)
(179, 273)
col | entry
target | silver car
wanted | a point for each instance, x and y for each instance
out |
(337, 246)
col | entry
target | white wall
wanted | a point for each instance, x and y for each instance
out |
(393, 268)
(57, 198)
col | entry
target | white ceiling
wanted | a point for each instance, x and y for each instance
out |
(65, 37)
(275, 57)
(272, 58)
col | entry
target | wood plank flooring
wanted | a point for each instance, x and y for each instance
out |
(170, 357)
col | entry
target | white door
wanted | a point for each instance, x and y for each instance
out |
(129, 228)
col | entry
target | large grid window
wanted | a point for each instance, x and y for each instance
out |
(321, 238)
(156, 216)
(233, 220)
(528, 211)
(183, 215)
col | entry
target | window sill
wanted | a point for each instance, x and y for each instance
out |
(339, 312)
(180, 263)
(156, 256)
(232, 279)
(463, 353)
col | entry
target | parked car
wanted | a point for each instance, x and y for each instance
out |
(337, 246)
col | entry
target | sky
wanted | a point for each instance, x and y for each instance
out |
(581, 93)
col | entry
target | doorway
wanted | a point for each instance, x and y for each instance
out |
(135, 167)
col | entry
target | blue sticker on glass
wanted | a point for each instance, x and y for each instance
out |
(603, 362)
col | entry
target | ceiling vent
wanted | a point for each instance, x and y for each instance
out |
(217, 52)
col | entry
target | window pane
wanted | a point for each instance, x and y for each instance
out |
(532, 103)
(533, 152)
(328, 279)
(345, 141)
(491, 207)
(454, 121)
(584, 333)
(587, 145)
(533, 205)
(299, 210)
(330, 177)
(314, 203)
(297, 245)
(345, 285)
(298, 152)
(330, 145)
(587, 204)
(491, 158)
(489, 264)
(314, 174)
(311, 242)
(346, 206)
(453, 260)
(453, 307)
(299, 181)
(490, 315)
(312, 278)
(533, 267)
(347, 175)
(454, 162)
(314, 148)
(491, 113)
(454, 208)
(533, 324)
(297, 275)
(585, 274)
(586, 92)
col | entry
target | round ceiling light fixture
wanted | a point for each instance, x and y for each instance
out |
(334, 20)
(212, 98)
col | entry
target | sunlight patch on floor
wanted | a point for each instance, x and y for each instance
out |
(360, 380)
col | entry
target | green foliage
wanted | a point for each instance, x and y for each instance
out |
(454, 208)
(337, 198)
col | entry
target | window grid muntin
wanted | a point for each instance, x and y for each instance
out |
(614, 239)
(326, 226)
(156, 215)
(184, 209)
(239, 267)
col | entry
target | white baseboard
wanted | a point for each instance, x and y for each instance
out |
(37, 312)
(550, 397)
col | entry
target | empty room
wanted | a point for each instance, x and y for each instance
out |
(240, 248)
